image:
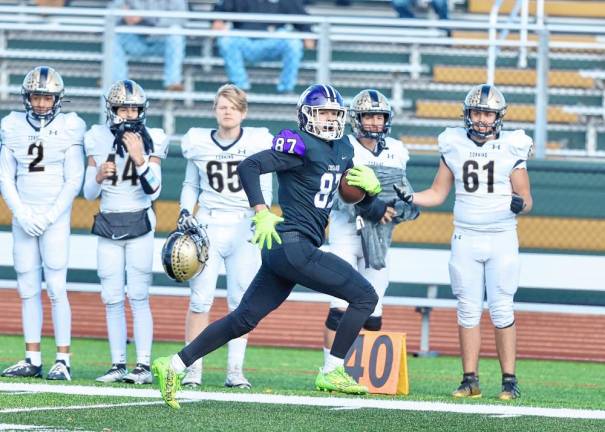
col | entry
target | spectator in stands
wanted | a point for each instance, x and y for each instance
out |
(405, 8)
(171, 47)
(240, 50)
(488, 168)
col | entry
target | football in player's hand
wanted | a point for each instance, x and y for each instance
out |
(350, 194)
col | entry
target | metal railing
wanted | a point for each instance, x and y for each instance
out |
(414, 36)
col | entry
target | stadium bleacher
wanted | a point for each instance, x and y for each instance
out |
(408, 72)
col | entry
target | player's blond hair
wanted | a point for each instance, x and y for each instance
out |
(233, 94)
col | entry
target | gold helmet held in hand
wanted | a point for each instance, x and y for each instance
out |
(185, 253)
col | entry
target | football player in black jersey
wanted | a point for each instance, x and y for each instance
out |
(309, 164)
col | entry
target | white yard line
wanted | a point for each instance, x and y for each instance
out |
(338, 402)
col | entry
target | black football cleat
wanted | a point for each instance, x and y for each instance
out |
(510, 388)
(23, 369)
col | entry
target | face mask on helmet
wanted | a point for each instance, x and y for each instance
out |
(321, 112)
(484, 98)
(125, 94)
(370, 102)
(42, 81)
(185, 253)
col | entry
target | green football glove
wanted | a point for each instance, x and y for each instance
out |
(264, 228)
(363, 177)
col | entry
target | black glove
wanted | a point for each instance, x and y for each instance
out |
(186, 221)
(130, 126)
(517, 204)
(403, 194)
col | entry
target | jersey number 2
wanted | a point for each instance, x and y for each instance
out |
(36, 146)
(470, 176)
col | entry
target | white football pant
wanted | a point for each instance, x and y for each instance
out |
(229, 233)
(128, 263)
(50, 252)
(349, 249)
(483, 263)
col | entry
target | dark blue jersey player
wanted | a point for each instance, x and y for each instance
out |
(309, 164)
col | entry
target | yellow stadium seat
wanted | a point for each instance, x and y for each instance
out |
(516, 112)
(559, 8)
(520, 77)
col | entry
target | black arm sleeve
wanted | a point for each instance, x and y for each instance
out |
(250, 169)
(371, 208)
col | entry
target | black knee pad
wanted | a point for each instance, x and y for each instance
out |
(373, 323)
(333, 319)
(505, 327)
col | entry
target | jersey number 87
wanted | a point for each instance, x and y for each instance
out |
(328, 184)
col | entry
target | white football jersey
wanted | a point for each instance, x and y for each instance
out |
(124, 192)
(40, 155)
(482, 177)
(219, 184)
(395, 155)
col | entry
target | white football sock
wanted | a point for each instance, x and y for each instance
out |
(65, 357)
(143, 329)
(332, 363)
(31, 313)
(116, 332)
(35, 357)
(177, 364)
(236, 353)
(326, 354)
(61, 311)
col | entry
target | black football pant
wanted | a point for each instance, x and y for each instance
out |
(295, 261)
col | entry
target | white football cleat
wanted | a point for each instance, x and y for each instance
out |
(193, 376)
(59, 372)
(236, 379)
(141, 374)
(115, 374)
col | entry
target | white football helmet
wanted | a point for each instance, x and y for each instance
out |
(42, 80)
(484, 97)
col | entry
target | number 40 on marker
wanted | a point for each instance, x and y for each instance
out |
(378, 360)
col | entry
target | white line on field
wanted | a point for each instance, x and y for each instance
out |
(78, 407)
(341, 402)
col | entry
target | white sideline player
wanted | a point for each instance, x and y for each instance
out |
(488, 168)
(211, 180)
(42, 167)
(124, 169)
(370, 116)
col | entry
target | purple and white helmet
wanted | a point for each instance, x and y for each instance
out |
(321, 97)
